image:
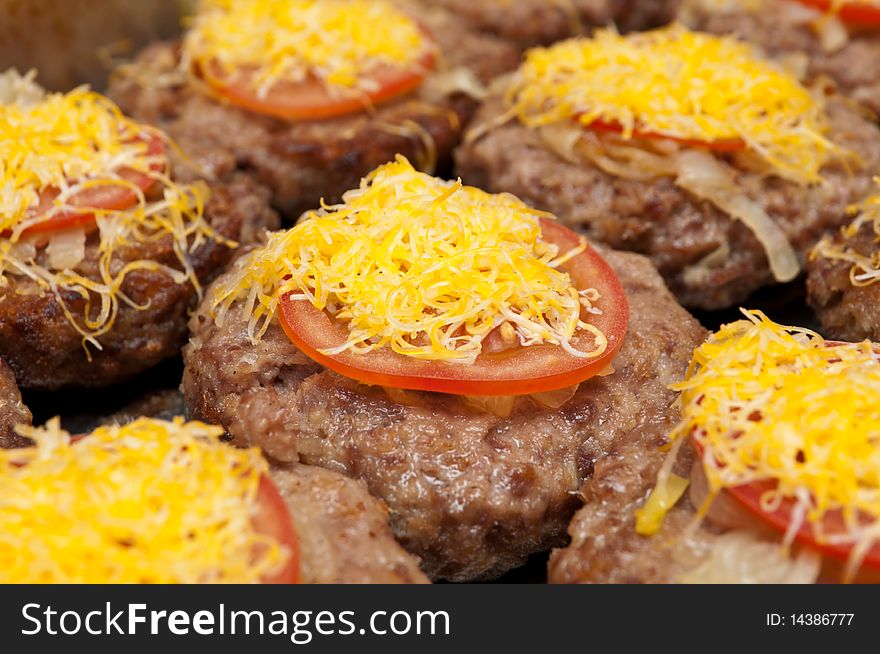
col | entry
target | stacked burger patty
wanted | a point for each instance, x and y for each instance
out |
(423, 272)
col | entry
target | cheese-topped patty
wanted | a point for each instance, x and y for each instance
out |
(681, 84)
(424, 266)
(768, 403)
(61, 146)
(148, 502)
(335, 41)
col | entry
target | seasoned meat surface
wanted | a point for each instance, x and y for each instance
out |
(305, 161)
(604, 546)
(470, 493)
(847, 312)
(527, 23)
(708, 259)
(47, 353)
(12, 410)
(343, 531)
(786, 29)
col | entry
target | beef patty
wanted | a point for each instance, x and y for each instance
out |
(847, 312)
(343, 531)
(470, 493)
(605, 547)
(12, 410)
(46, 352)
(527, 23)
(783, 28)
(708, 259)
(305, 161)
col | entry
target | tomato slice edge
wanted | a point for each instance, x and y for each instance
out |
(311, 330)
(749, 496)
(849, 12)
(724, 145)
(310, 100)
(110, 197)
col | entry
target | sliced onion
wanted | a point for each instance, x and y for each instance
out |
(833, 35)
(555, 399)
(705, 177)
(66, 248)
(741, 557)
(442, 84)
(498, 405)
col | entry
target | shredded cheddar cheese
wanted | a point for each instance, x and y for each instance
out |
(424, 266)
(865, 268)
(773, 403)
(148, 502)
(681, 84)
(67, 144)
(339, 42)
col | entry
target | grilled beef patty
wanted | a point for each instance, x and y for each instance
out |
(47, 353)
(784, 28)
(470, 493)
(708, 259)
(528, 23)
(847, 312)
(305, 161)
(12, 410)
(343, 531)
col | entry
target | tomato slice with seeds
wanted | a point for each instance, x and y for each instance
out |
(110, 196)
(516, 371)
(311, 100)
(857, 13)
(724, 145)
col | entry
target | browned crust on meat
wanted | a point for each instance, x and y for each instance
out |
(46, 352)
(303, 162)
(12, 410)
(343, 531)
(470, 493)
(528, 23)
(847, 312)
(604, 546)
(778, 30)
(662, 221)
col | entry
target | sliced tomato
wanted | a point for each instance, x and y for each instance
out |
(516, 371)
(725, 145)
(108, 196)
(311, 100)
(857, 13)
(749, 496)
(273, 519)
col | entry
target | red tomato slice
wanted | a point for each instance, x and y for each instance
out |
(273, 519)
(310, 100)
(857, 13)
(749, 495)
(517, 371)
(108, 197)
(726, 145)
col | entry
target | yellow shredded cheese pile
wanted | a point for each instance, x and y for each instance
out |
(677, 83)
(865, 268)
(148, 502)
(418, 264)
(768, 402)
(70, 143)
(339, 42)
